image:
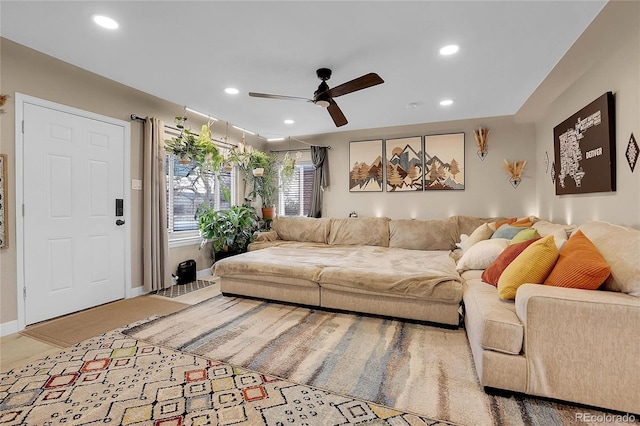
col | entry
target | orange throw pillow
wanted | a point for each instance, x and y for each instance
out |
(493, 272)
(522, 223)
(580, 265)
(505, 222)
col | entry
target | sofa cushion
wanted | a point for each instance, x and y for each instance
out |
(413, 273)
(468, 224)
(482, 254)
(423, 234)
(492, 273)
(491, 322)
(533, 265)
(619, 246)
(367, 231)
(303, 229)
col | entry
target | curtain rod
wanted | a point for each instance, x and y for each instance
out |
(294, 150)
(138, 118)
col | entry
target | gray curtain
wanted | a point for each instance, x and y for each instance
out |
(320, 179)
(155, 240)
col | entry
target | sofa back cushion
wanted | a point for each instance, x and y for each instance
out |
(423, 234)
(367, 231)
(304, 229)
(619, 246)
(468, 224)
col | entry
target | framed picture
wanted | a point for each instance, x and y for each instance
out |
(444, 161)
(365, 158)
(3, 201)
(403, 163)
(584, 148)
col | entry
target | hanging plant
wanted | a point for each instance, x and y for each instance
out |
(191, 147)
(288, 169)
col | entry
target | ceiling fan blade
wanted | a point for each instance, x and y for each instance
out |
(368, 80)
(336, 114)
(286, 98)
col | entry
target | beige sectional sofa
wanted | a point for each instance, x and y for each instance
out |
(563, 343)
(370, 265)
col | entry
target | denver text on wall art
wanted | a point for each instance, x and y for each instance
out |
(404, 164)
(444, 161)
(365, 158)
(584, 146)
(3, 200)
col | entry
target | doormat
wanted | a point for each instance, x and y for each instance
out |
(182, 289)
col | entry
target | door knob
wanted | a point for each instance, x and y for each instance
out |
(119, 222)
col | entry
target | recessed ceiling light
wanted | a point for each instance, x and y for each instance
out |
(275, 139)
(231, 91)
(449, 50)
(288, 121)
(105, 22)
(446, 102)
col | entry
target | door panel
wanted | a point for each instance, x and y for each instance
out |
(73, 251)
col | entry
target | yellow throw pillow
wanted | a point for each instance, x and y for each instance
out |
(533, 265)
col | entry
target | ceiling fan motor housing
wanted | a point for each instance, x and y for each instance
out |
(323, 73)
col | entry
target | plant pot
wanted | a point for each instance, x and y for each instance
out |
(258, 172)
(268, 212)
(181, 161)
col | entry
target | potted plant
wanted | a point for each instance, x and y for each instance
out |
(230, 231)
(265, 184)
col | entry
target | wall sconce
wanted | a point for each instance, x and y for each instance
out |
(3, 100)
(482, 135)
(515, 171)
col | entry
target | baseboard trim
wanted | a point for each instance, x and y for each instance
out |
(137, 291)
(203, 273)
(7, 328)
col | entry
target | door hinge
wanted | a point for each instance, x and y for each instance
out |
(24, 292)
(23, 210)
(23, 127)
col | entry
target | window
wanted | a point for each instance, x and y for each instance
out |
(187, 190)
(295, 197)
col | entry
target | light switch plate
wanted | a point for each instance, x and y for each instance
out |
(136, 184)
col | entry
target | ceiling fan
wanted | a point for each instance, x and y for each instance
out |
(323, 97)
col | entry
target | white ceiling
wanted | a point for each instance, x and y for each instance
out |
(188, 52)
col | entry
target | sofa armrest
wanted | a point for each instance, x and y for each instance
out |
(581, 345)
(264, 236)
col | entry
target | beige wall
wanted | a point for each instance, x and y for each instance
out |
(29, 72)
(487, 189)
(605, 58)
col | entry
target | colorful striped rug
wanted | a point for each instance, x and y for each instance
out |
(407, 366)
(113, 379)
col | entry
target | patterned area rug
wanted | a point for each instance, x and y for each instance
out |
(114, 379)
(182, 289)
(411, 367)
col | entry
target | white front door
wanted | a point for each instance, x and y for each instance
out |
(73, 240)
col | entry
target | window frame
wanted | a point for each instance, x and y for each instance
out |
(281, 196)
(192, 236)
